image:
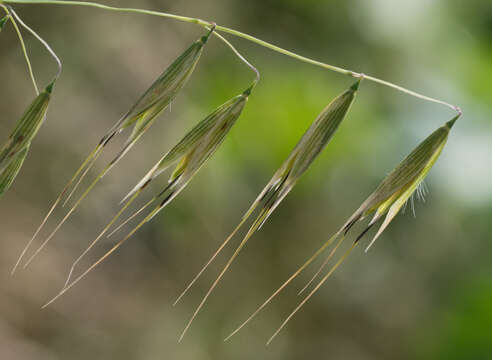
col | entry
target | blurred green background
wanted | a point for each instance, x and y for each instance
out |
(424, 291)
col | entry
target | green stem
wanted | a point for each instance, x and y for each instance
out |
(241, 35)
(40, 39)
(241, 57)
(110, 8)
(286, 52)
(23, 46)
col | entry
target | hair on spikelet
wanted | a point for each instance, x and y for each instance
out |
(388, 198)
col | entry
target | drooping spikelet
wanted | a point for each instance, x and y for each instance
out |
(158, 96)
(189, 154)
(141, 116)
(26, 128)
(14, 151)
(388, 198)
(307, 149)
(198, 144)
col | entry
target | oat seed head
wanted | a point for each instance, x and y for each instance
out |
(420, 161)
(398, 186)
(142, 114)
(198, 144)
(3, 21)
(191, 153)
(311, 144)
(389, 197)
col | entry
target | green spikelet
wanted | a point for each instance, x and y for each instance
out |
(8, 175)
(26, 128)
(198, 144)
(396, 188)
(190, 154)
(307, 149)
(158, 97)
(388, 198)
(141, 116)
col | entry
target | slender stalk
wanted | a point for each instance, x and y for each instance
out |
(23, 46)
(286, 52)
(412, 93)
(110, 8)
(241, 35)
(40, 39)
(238, 54)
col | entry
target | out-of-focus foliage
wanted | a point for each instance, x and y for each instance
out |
(423, 291)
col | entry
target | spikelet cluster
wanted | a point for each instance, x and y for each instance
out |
(197, 146)
(388, 199)
(189, 155)
(304, 153)
(141, 116)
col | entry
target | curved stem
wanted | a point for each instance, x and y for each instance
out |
(238, 54)
(412, 93)
(40, 39)
(286, 52)
(241, 35)
(23, 46)
(111, 8)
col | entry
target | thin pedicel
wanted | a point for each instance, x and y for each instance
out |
(240, 34)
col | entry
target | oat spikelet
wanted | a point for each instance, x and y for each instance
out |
(311, 144)
(189, 155)
(26, 129)
(141, 116)
(395, 190)
(388, 198)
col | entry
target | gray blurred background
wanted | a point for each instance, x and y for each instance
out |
(423, 291)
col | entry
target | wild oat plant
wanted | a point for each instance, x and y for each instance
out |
(198, 145)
